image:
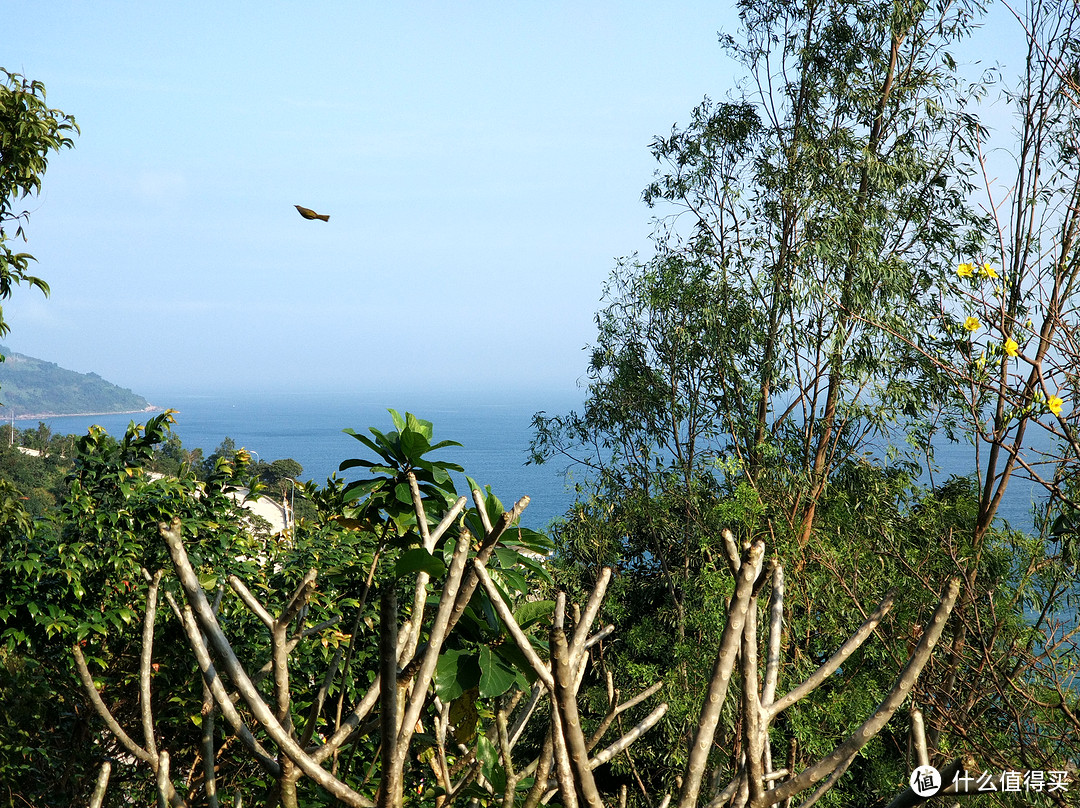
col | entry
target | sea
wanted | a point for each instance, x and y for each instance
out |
(308, 427)
(495, 434)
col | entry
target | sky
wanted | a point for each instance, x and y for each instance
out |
(482, 165)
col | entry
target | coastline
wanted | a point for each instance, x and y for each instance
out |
(38, 416)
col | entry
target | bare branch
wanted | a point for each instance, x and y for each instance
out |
(721, 676)
(542, 670)
(103, 711)
(217, 689)
(608, 753)
(835, 661)
(299, 597)
(617, 709)
(390, 787)
(570, 721)
(421, 515)
(209, 755)
(776, 627)
(731, 551)
(592, 608)
(146, 661)
(478, 500)
(448, 520)
(563, 772)
(918, 737)
(436, 639)
(251, 601)
(320, 698)
(170, 532)
(844, 753)
(164, 784)
(102, 784)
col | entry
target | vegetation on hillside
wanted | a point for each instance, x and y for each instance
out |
(30, 386)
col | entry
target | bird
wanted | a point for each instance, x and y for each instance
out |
(308, 213)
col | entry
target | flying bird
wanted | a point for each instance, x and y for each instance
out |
(308, 213)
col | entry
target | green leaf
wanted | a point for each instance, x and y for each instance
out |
(419, 560)
(361, 488)
(399, 422)
(464, 716)
(419, 425)
(455, 672)
(442, 444)
(403, 493)
(354, 463)
(533, 611)
(488, 755)
(368, 443)
(414, 445)
(533, 541)
(496, 677)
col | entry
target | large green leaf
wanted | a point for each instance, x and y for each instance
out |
(532, 611)
(455, 672)
(414, 445)
(399, 422)
(488, 755)
(496, 677)
(366, 441)
(419, 560)
(419, 425)
(361, 488)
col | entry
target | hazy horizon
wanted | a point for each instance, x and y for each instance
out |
(482, 166)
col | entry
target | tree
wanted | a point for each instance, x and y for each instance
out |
(29, 132)
(813, 205)
(76, 579)
(798, 321)
(1007, 341)
(317, 724)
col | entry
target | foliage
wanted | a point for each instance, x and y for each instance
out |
(29, 132)
(81, 573)
(783, 363)
(35, 386)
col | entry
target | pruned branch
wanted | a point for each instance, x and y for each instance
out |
(845, 753)
(170, 532)
(721, 676)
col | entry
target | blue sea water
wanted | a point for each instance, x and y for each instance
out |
(308, 428)
(495, 435)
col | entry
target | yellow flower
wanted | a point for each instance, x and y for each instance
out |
(965, 270)
(1011, 347)
(971, 324)
(1054, 404)
(988, 271)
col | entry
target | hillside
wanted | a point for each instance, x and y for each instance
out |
(35, 388)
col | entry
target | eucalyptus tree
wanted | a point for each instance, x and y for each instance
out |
(801, 310)
(803, 227)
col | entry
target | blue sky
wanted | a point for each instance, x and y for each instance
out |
(482, 165)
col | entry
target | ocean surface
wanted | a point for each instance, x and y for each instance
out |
(494, 435)
(308, 428)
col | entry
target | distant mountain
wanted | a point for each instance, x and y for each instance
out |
(36, 388)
